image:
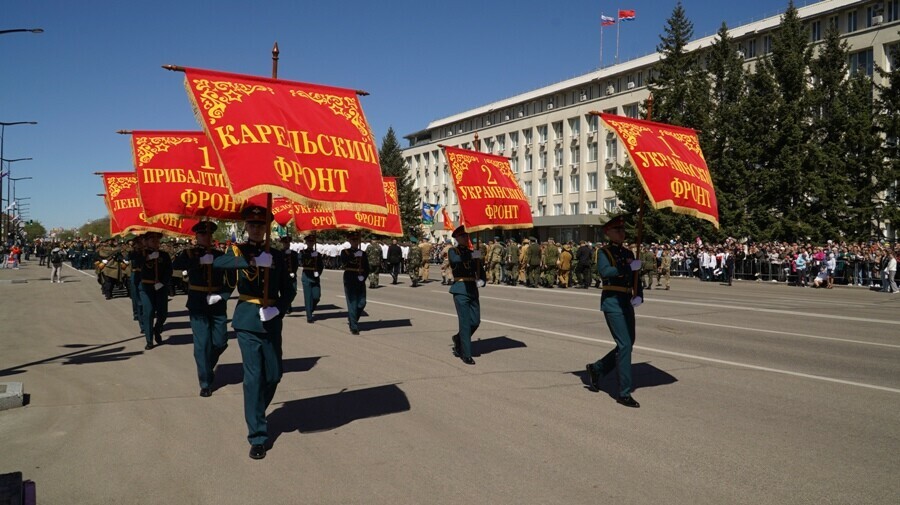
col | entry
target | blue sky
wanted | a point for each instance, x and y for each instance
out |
(96, 68)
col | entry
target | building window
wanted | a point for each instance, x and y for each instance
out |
(542, 187)
(607, 184)
(557, 185)
(631, 110)
(639, 79)
(767, 44)
(514, 164)
(592, 151)
(592, 207)
(501, 142)
(816, 30)
(514, 139)
(543, 158)
(542, 133)
(573, 209)
(557, 209)
(575, 126)
(870, 13)
(527, 135)
(851, 21)
(892, 57)
(453, 198)
(833, 22)
(444, 176)
(574, 183)
(862, 62)
(893, 10)
(528, 163)
(592, 123)
(557, 130)
(557, 157)
(575, 154)
(609, 205)
(592, 181)
(526, 187)
(751, 48)
(612, 146)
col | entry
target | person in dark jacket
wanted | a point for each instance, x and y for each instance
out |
(394, 258)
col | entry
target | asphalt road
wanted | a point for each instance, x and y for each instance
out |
(750, 394)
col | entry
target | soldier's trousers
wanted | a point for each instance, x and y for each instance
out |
(413, 271)
(373, 276)
(550, 276)
(210, 340)
(584, 275)
(293, 292)
(496, 273)
(621, 326)
(512, 274)
(154, 309)
(534, 272)
(468, 312)
(261, 356)
(663, 273)
(355, 292)
(134, 286)
(425, 270)
(312, 293)
(564, 278)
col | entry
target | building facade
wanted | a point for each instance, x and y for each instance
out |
(564, 157)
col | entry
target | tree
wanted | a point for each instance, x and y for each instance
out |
(393, 165)
(887, 120)
(34, 230)
(98, 227)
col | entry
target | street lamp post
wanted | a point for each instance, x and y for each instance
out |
(3, 126)
(9, 180)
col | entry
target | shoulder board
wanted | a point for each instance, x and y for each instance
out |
(612, 260)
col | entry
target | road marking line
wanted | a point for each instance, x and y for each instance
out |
(659, 351)
(79, 271)
(715, 325)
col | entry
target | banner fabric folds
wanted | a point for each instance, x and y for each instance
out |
(670, 165)
(179, 175)
(448, 221)
(124, 205)
(488, 192)
(428, 212)
(307, 142)
(383, 224)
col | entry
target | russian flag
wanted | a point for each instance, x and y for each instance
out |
(607, 20)
(626, 15)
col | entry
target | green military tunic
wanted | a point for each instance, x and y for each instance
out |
(155, 275)
(312, 264)
(291, 262)
(468, 270)
(551, 257)
(613, 264)
(209, 321)
(374, 254)
(414, 264)
(356, 269)
(260, 341)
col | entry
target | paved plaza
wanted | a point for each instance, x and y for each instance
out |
(751, 394)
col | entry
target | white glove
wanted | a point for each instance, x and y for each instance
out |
(314, 254)
(480, 283)
(268, 313)
(184, 273)
(476, 254)
(637, 301)
(361, 277)
(213, 298)
(315, 274)
(104, 261)
(635, 265)
(293, 275)
(126, 262)
(207, 259)
(358, 254)
(153, 255)
(264, 260)
(158, 286)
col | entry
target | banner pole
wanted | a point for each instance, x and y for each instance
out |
(265, 300)
(640, 224)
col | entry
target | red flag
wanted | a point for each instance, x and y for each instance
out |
(380, 223)
(283, 210)
(308, 218)
(607, 20)
(307, 142)
(670, 165)
(626, 15)
(124, 205)
(448, 223)
(489, 194)
(179, 175)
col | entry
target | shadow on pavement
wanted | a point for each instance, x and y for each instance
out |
(87, 350)
(323, 413)
(180, 339)
(101, 356)
(490, 345)
(390, 323)
(643, 375)
(233, 373)
(331, 315)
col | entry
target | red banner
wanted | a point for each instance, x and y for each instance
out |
(308, 218)
(283, 210)
(448, 221)
(488, 192)
(382, 224)
(307, 142)
(179, 175)
(670, 165)
(124, 205)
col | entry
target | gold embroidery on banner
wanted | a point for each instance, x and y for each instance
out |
(148, 147)
(503, 167)
(115, 185)
(629, 132)
(459, 163)
(216, 95)
(344, 106)
(691, 142)
(390, 189)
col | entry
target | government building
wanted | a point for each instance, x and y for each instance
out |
(563, 156)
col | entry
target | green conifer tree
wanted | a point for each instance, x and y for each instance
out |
(393, 165)
(888, 125)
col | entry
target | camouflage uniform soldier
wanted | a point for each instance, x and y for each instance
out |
(426, 248)
(648, 267)
(373, 255)
(446, 273)
(414, 262)
(551, 260)
(533, 260)
(495, 261)
(665, 267)
(512, 263)
(107, 265)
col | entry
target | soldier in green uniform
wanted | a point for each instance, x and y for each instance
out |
(107, 267)
(426, 250)
(533, 260)
(135, 259)
(206, 303)
(468, 275)
(312, 263)
(156, 274)
(356, 268)
(512, 263)
(551, 263)
(291, 262)
(648, 267)
(374, 256)
(263, 286)
(617, 265)
(665, 267)
(496, 255)
(414, 261)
